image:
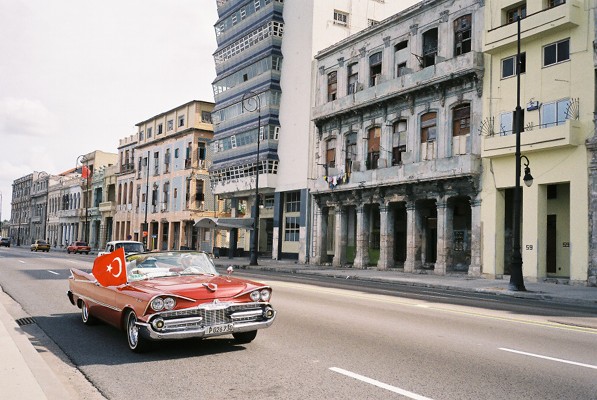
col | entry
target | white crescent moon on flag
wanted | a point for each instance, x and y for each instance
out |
(119, 267)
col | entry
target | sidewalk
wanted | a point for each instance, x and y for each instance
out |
(551, 291)
(24, 374)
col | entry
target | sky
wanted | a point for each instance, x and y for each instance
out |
(77, 75)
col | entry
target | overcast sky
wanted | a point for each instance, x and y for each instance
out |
(77, 75)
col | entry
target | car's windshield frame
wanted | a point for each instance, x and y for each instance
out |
(143, 266)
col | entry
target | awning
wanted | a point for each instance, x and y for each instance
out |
(224, 223)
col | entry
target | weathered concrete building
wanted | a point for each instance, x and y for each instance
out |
(168, 186)
(20, 210)
(557, 96)
(395, 173)
(264, 55)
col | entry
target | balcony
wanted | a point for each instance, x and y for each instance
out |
(107, 207)
(564, 16)
(443, 70)
(568, 134)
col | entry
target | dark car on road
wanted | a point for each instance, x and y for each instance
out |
(78, 247)
(5, 242)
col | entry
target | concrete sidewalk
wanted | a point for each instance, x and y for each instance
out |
(548, 290)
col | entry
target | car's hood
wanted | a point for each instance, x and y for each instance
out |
(197, 287)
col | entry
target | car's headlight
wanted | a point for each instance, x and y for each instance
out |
(157, 304)
(265, 294)
(255, 295)
(169, 303)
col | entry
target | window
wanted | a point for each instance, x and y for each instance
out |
(555, 113)
(374, 68)
(293, 201)
(373, 141)
(351, 150)
(429, 48)
(462, 35)
(340, 18)
(332, 85)
(330, 153)
(555, 3)
(428, 127)
(398, 141)
(461, 120)
(148, 132)
(509, 63)
(176, 151)
(181, 121)
(257, 4)
(160, 129)
(206, 117)
(353, 77)
(291, 229)
(170, 124)
(141, 135)
(514, 13)
(371, 22)
(156, 163)
(507, 122)
(401, 55)
(556, 52)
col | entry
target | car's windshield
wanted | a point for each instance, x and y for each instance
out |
(157, 265)
(80, 244)
(131, 247)
(41, 242)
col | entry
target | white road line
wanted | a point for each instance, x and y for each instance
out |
(550, 358)
(22, 262)
(52, 272)
(380, 384)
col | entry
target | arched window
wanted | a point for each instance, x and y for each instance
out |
(461, 120)
(124, 192)
(330, 153)
(332, 85)
(373, 141)
(374, 68)
(462, 35)
(351, 150)
(428, 127)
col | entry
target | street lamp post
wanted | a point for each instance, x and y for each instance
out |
(145, 230)
(86, 177)
(516, 278)
(247, 99)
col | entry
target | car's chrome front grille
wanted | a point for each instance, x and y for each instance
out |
(213, 314)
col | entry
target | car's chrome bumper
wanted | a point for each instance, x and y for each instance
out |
(148, 331)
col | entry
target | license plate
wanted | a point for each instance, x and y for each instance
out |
(215, 329)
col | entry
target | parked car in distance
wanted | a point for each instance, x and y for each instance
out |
(130, 247)
(172, 295)
(40, 245)
(5, 242)
(78, 247)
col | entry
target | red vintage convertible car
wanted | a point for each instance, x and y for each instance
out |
(172, 295)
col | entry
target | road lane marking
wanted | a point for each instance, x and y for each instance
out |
(379, 384)
(549, 358)
(22, 262)
(52, 272)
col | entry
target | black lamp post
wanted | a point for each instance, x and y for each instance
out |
(516, 278)
(84, 160)
(247, 100)
(145, 230)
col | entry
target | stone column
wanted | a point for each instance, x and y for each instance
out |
(475, 267)
(411, 240)
(386, 237)
(319, 232)
(340, 237)
(442, 238)
(361, 259)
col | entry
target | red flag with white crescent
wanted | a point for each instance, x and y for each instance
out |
(110, 269)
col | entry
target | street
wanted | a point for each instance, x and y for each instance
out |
(330, 341)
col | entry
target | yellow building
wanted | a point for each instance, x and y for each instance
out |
(557, 89)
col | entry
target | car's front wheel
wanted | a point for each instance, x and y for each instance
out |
(244, 337)
(137, 342)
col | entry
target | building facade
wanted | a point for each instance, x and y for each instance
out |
(170, 189)
(20, 211)
(262, 113)
(557, 97)
(395, 173)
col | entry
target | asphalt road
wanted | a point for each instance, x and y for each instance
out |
(331, 340)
